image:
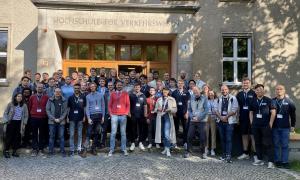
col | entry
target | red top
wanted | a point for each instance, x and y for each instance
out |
(151, 106)
(119, 103)
(37, 108)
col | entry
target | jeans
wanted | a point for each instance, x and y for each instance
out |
(115, 120)
(39, 133)
(263, 142)
(73, 126)
(281, 144)
(226, 131)
(165, 130)
(201, 127)
(53, 128)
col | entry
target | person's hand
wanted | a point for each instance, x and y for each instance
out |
(23, 127)
(292, 129)
(56, 120)
(145, 115)
(102, 120)
(224, 119)
(186, 116)
(159, 109)
(129, 115)
(271, 125)
(84, 119)
(90, 121)
(68, 120)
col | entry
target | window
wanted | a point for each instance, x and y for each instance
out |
(236, 59)
(3, 53)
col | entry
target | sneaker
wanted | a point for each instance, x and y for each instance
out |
(83, 154)
(206, 151)
(278, 164)
(186, 155)
(132, 147)
(222, 158)
(164, 151)
(168, 152)
(41, 153)
(34, 153)
(63, 154)
(228, 160)
(243, 156)
(141, 146)
(71, 153)
(212, 153)
(255, 158)
(94, 152)
(6, 154)
(258, 163)
(185, 146)
(125, 153)
(110, 153)
(149, 146)
(175, 146)
(204, 156)
(157, 146)
(271, 165)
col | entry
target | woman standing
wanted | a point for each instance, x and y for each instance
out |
(15, 118)
(165, 108)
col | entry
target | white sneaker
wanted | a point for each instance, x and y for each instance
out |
(243, 156)
(258, 163)
(212, 153)
(149, 146)
(204, 156)
(110, 153)
(132, 147)
(164, 151)
(168, 152)
(255, 158)
(157, 146)
(125, 153)
(185, 146)
(206, 152)
(141, 146)
(271, 165)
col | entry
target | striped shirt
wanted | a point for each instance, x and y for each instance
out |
(18, 113)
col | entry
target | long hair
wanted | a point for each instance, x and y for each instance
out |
(15, 102)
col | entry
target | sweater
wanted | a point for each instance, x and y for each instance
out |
(37, 108)
(119, 103)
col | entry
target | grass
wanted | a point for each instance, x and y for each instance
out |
(295, 165)
(297, 130)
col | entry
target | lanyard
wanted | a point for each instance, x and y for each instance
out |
(165, 102)
(76, 99)
(245, 98)
(211, 105)
(224, 103)
(280, 105)
(259, 104)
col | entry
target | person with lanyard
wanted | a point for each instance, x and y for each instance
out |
(76, 105)
(165, 108)
(137, 124)
(144, 85)
(198, 114)
(57, 110)
(15, 119)
(182, 97)
(93, 77)
(245, 98)
(102, 89)
(119, 108)
(38, 120)
(95, 111)
(151, 117)
(226, 109)
(284, 123)
(262, 114)
(67, 89)
(211, 123)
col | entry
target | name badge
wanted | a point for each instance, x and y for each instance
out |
(75, 112)
(118, 106)
(224, 113)
(97, 108)
(80, 100)
(137, 104)
(141, 98)
(245, 107)
(279, 116)
(259, 116)
(39, 110)
(250, 96)
(180, 103)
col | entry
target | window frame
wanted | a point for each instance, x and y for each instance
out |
(235, 59)
(4, 81)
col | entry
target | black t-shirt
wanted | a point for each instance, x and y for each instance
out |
(261, 111)
(76, 105)
(245, 99)
(137, 103)
(285, 109)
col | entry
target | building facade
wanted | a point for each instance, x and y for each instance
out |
(223, 40)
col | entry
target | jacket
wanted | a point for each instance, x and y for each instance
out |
(50, 109)
(232, 107)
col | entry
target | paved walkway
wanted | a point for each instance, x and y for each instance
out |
(135, 166)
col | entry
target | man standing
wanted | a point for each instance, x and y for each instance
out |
(76, 105)
(144, 86)
(262, 114)
(183, 77)
(127, 86)
(198, 114)
(38, 120)
(245, 98)
(67, 89)
(57, 110)
(93, 77)
(25, 82)
(133, 79)
(137, 124)
(95, 111)
(151, 117)
(284, 123)
(226, 109)
(119, 107)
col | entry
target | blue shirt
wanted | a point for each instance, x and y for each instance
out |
(18, 113)
(95, 104)
(67, 91)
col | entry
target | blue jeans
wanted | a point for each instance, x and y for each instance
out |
(281, 144)
(53, 128)
(226, 131)
(165, 130)
(73, 126)
(115, 120)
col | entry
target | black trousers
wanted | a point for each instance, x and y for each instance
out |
(13, 135)
(263, 142)
(39, 133)
(179, 119)
(137, 127)
(201, 128)
(132, 129)
(104, 130)
(27, 134)
(151, 129)
(142, 129)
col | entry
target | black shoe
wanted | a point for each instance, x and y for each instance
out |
(6, 154)
(278, 164)
(186, 155)
(63, 154)
(83, 153)
(71, 153)
(285, 165)
(15, 154)
(94, 152)
(228, 160)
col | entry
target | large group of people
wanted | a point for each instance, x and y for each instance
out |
(150, 113)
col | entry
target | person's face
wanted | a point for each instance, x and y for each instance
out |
(26, 93)
(211, 94)
(93, 72)
(224, 90)
(155, 75)
(57, 92)
(77, 89)
(51, 83)
(121, 76)
(60, 73)
(191, 85)
(86, 78)
(143, 80)
(93, 87)
(180, 85)
(74, 75)
(110, 86)
(40, 88)
(197, 76)
(19, 98)
(152, 91)
(102, 72)
(182, 75)
(119, 86)
(132, 75)
(126, 79)
(205, 89)
(196, 92)
(150, 77)
(37, 77)
(28, 74)
(45, 76)
(159, 85)
(80, 75)
(165, 92)
(259, 92)
(83, 87)
(172, 84)
(280, 91)
(68, 80)
(166, 76)
(25, 82)
(246, 84)
(55, 76)
(102, 82)
(137, 88)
